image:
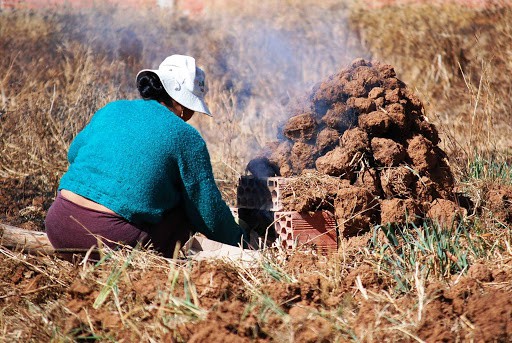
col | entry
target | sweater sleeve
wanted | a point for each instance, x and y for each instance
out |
(204, 204)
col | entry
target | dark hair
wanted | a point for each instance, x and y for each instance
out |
(150, 88)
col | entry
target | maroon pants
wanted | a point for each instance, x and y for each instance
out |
(72, 226)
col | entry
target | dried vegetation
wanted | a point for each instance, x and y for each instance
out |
(425, 281)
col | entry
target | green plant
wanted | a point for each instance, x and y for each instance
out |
(489, 169)
(439, 252)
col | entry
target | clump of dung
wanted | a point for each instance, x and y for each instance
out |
(365, 128)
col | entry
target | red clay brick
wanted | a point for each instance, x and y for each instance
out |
(296, 229)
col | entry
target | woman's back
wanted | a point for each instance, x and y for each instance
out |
(127, 159)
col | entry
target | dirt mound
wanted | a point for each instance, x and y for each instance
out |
(364, 126)
(446, 212)
(499, 202)
(487, 310)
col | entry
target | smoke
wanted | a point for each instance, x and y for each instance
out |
(267, 58)
(271, 62)
(260, 63)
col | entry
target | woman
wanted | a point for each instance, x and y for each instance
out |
(139, 172)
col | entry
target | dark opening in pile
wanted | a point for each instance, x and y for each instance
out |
(364, 129)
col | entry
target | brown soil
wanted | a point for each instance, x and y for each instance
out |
(420, 151)
(397, 182)
(369, 179)
(387, 152)
(327, 139)
(356, 209)
(446, 213)
(476, 307)
(300, 128)
(387, 145)
(499, 202)
(302, 156)
(485, 312)
(476, 310)
(355, 140)
(400, 211)
(37, 291)
(338, 162)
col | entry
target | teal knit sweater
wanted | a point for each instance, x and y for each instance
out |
(139, 159)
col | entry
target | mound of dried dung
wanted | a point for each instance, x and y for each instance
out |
(365, 128)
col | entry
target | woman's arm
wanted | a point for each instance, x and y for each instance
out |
(204, 204)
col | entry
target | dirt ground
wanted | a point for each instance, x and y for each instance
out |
(39, 291)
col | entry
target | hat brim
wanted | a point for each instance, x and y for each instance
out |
(182, 95)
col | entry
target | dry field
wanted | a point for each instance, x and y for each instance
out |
(423, 282)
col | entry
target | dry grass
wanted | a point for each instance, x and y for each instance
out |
(259, 61)
(58, 68)
(458, 63)
(355, 295)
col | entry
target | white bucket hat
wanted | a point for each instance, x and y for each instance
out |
(183, 81)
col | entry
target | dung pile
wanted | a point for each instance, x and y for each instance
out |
(364, 127)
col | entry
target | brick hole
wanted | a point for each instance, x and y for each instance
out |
(261, 193)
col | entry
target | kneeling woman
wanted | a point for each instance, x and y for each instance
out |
(138, 172)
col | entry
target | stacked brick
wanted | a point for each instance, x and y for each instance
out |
(260, 200)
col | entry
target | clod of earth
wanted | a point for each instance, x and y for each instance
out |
(400, 211)
(300, 128)
(499, 202)
(446, 213)
(356, 209)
